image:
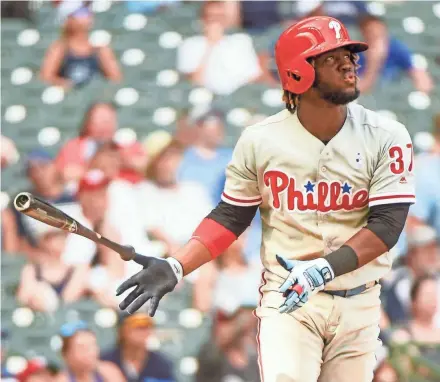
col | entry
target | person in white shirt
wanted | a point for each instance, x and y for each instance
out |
(171, 209)
(220, 62)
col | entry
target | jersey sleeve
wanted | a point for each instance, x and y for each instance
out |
(241, 187)
(393, 178)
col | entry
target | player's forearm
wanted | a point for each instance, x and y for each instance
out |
(361, 249)
(192, 256)
(385, 224)
(214, 235)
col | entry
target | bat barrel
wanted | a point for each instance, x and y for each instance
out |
(22, 201)
(44, 212)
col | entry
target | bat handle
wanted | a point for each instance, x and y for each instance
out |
(127, 252)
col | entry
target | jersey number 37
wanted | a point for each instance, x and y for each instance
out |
(397, 166)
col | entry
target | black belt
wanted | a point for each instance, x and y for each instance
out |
(352, 292)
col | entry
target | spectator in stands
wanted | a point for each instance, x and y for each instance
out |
(109, 207)
(398, 62)
(72, 61)
(228, 282)
(220, 62)
(49, 281)
(172, 209)
(184, 134)
(99, 126)
(427, 180)
(47, 184)
(422, 330)
(131, 355)
(80, 353)
(230, 353)
(205, 161)
(423, 256)
(35, 371)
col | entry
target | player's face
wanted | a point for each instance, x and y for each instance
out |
(336, 80)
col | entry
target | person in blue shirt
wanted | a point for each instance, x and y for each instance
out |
(205, 163)
(399, 62)
(206, 160)
(427, 180)
(131, 355)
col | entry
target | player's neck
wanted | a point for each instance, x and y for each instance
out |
(323, 121)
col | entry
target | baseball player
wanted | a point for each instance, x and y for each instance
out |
(333, 182)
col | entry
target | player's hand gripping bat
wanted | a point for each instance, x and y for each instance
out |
(29, 205)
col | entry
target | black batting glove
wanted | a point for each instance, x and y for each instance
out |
(152, 283)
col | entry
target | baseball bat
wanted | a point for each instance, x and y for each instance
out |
(38, 209)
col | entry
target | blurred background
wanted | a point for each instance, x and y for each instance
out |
(124, 115)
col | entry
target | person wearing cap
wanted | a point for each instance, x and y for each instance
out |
(205, 161)
(72, 61)
(423, 257)
(81, 356)
(45, 183)
(131, 354)
(95, 195)
(93, 198)
(35, 371)
(122, 207)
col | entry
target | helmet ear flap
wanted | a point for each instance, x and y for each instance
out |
(299, 79)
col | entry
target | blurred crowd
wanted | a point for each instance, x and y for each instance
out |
(152, 194)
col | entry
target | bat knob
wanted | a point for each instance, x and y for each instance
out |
(127, 253)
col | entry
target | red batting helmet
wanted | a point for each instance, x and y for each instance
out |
(309, 38)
